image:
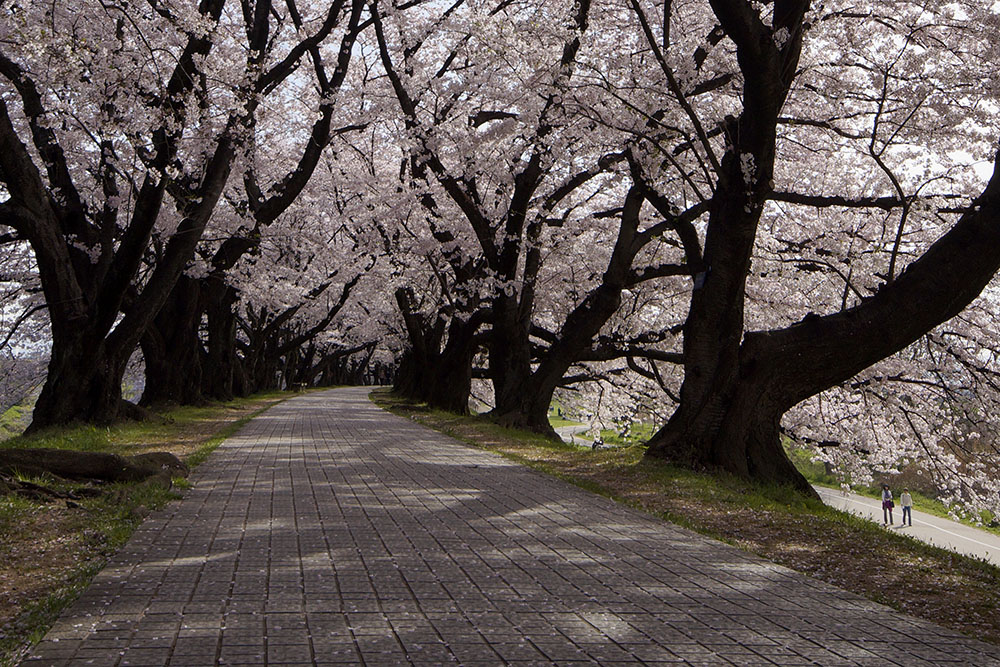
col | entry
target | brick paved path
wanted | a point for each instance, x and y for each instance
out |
(328, 531)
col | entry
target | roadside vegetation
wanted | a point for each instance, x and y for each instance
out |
(51, 547)
(14, 420)
(775, 523)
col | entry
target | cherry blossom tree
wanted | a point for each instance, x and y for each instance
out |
(127, 123)
(292, 289)
(278, 165)
(495, 144)
(804, 135)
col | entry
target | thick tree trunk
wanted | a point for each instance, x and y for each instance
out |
(408, 380)
(303, 372)
(268, 377)
(172, 350)
(728, 415)
(510, 363)
(526, 402)
(454, 377)
(528, 412)
(219, 372)
(442, 379)
(84, 382)
(726, 418)
(735, 427)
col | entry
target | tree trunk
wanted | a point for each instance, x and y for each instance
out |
(172, 349)
(441, 378)
(728, 416)
(510, 363)
(453, 384)
(528, 412)
(735, 427)
(411, 368)
(303, 374)
(725, 419)
(83, 382)
(219, 370)
(527, 406)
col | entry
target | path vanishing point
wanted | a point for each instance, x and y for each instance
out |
(330, 532)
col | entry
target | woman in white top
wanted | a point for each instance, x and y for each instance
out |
(906, 502)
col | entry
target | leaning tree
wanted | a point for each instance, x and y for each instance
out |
(825, 144)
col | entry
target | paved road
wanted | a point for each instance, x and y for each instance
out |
(569, 434)
(927, 527)
(327, 531)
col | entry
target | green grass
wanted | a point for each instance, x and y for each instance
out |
(814, 471)
(638, 434)
(109, 519)
(14, 420)
(558, 422)
(13, 510)
(122, 437)
(120, 510)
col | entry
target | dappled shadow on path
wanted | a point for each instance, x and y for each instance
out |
(328, 530)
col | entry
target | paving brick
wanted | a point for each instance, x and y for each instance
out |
(327, 532)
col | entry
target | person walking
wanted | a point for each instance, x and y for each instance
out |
(887, 505)
(906, 502)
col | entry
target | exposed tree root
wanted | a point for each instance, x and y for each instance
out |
(155, 468)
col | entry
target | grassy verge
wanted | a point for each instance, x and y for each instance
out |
(50, 551)
(773, 522)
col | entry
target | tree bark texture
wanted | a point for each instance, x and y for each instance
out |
(220, 379)
(434, 370)
(83, 382)
(172, 349)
